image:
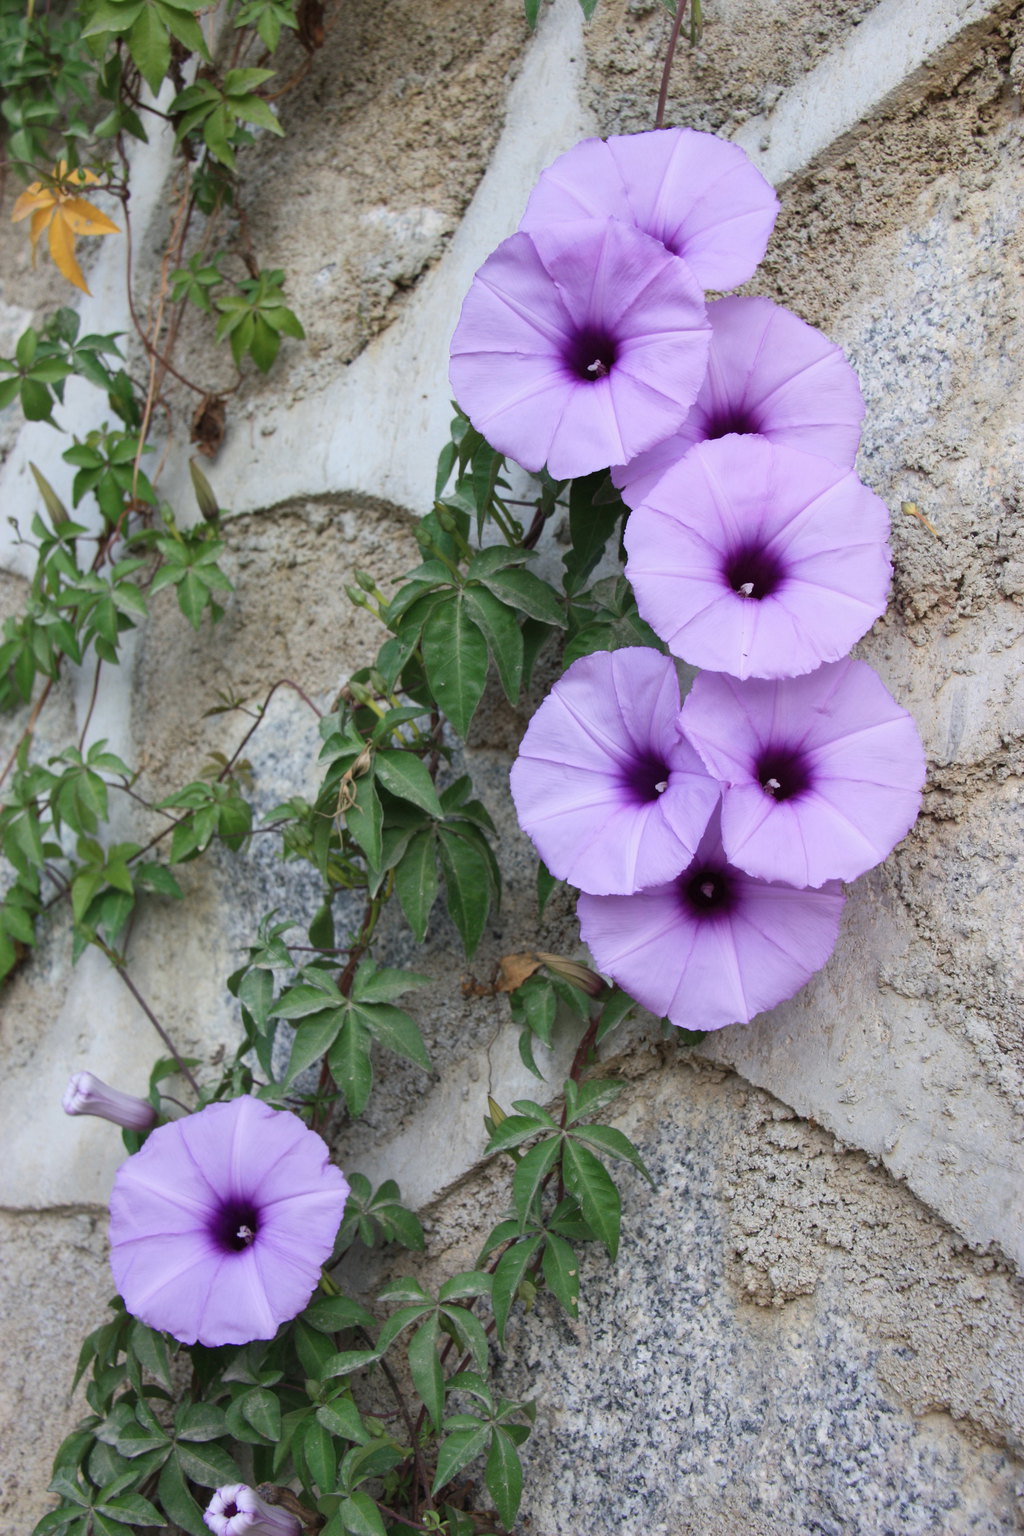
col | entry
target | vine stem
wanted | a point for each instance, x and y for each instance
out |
(659, 120)
(119, 966)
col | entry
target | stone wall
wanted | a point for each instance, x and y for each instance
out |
(816, 1324)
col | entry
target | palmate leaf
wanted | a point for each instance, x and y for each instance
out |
(468, 884)
(455, 658)
(591, 1183)
(503, 1475)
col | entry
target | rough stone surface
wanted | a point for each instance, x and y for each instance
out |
(54, 1289)
(789, 1341)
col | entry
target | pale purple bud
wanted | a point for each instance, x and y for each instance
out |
(89, 1095)
(238, 1510)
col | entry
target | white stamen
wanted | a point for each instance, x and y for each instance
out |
(772, 785)
(597, 368)
(707, 889)
(245, 1234)
(747, 589)
(661, 788)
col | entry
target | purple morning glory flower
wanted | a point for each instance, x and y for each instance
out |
(713, 946)
(771, 373)
(220, 1224)
(578, 346)
(698, 194)
(821, 774)
(238, 1510)
(600, 784)
(89, 1095)
(758, 560)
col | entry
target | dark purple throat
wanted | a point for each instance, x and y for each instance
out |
(646, 779)
(708, 890)
(721, 423)
(235, 1226)
(753, 571)
(784, 774)
(591, 354)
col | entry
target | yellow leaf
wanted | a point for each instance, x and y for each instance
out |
(84, 219)
(34, 197)
(40, 219)
(62, 249)
(55, 206)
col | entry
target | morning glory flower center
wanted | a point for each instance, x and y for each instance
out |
(592, 354)
(753, 571)
(646, 779)
(732, 419)
(707, 890)
(235, 1226)
(783, 774)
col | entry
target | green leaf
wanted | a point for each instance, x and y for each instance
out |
(616, 1007)
(408, 777)
(349, 1061)
(321, 1457)
(468, 882)
(150, 47)
(342, 1419)
(528, 593)
(591, 524)
(503, 1475)
(360, 1516)
(210, 1467)
(416, 882)
(383, 986)
(313, 1039)
(455, 658)
(425, 1367)
(365, 819)
(615, 1144)
(503, 636)
(562, 1272)
(508, 1275)
(262, 1409)
(531, 1170)
(396, 1029)
(591, 1183)
(457, 1451)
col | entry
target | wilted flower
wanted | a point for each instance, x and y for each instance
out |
(758, 560)
(821, 774)
(698, 194)
(89, 1095)
(578, 346)
(771, 373)
(600, 784)
(219, 1225)
(713, 946)
(238, 1510)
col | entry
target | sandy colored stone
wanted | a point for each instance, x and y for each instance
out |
(46, 1309)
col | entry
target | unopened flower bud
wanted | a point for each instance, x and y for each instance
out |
(356, 596)
(204, 493)
(366, 581)
(89, 1095)
(238, 1510)
(577, 975)
(56, 508)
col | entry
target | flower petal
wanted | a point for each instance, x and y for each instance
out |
(704, 971)
(856, 759)
(771, 373)
(578, 346)
(586, 782)
(758, 560)
(696, 193)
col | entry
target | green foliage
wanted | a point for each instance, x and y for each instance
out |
(255, 318)
(212, 111)
(46, 74)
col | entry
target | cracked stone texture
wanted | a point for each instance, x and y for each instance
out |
(789, 1340)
